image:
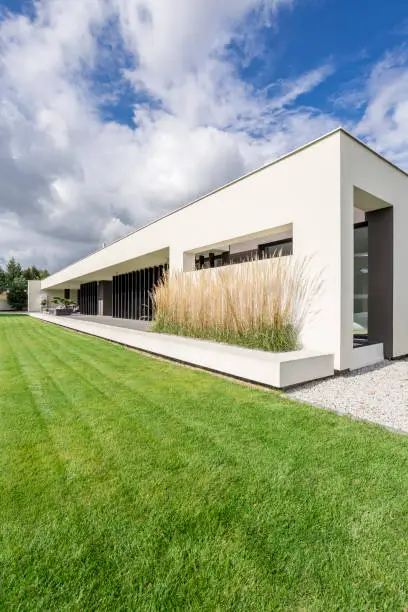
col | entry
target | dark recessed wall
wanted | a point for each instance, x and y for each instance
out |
(105, 298)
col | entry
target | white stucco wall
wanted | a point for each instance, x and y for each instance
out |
(34, 296)
(311, 191)
(302, 189)
(4, 306)
(36, 293)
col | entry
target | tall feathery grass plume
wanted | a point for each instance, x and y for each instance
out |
(258, 304)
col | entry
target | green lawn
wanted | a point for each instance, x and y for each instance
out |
(129, 483)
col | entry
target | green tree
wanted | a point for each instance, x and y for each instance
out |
(14, 280)
(17, 293)
(34, 273)
(3, 280)
(13, 271)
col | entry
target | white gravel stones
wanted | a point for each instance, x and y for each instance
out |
(377, 393)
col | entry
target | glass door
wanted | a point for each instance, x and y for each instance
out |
(360, 320)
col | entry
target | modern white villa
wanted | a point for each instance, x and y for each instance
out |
(334, 200)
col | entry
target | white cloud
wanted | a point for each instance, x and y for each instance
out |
(384, 123)
(71, 180)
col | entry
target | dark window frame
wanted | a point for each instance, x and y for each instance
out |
(276, 244)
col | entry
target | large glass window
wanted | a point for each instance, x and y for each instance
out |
(262, 251)
(274, 249)
(360, 327)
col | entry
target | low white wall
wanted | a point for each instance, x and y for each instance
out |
(34, 296)
(273, 369)
(4, 306)
(364, 356)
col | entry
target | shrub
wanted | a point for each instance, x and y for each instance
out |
(17, 293)
(257, 304)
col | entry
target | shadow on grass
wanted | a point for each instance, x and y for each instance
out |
(13, 314)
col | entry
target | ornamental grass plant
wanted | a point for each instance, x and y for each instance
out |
(260, 304)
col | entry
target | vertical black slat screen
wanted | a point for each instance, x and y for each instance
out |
(147, 298)
(124, 295)
(129, 313)
(128, 291)
(151, 283)
(114, 296)
(117, 296)
(130, 296)
(137, 284)
(131, 292)
(127, 279)
(155, 279)
(119, 300)
(120, 293)
(139, 295)
(133, 295)
(146, 294)
(120, 296)
(88, 297)
(142, 284)
(151, 291)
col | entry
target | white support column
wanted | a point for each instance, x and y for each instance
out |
(181, 261)
(34, 296)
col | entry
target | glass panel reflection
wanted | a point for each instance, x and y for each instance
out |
(360, 326)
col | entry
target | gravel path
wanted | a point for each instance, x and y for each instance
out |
(378, 394)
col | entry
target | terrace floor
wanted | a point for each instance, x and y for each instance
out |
(127, 323)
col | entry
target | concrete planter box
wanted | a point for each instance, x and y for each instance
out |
(60, 312)
(262, 367)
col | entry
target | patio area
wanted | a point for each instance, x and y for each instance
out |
(113, 321)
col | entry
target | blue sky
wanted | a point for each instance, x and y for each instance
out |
(347, 34)
(115, 112)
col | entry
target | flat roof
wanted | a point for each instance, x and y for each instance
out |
(237, 180)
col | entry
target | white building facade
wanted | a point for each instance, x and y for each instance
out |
(334, 200)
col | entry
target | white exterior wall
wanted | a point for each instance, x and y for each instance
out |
(362, 168)
(34, 296)
(36, 293)
(4, 305)
(310, 191)
(302, 189)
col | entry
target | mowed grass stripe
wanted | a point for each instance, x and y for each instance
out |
(150, 486)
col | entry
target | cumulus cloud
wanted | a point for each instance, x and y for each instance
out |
(384, 124)
(72, 178)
